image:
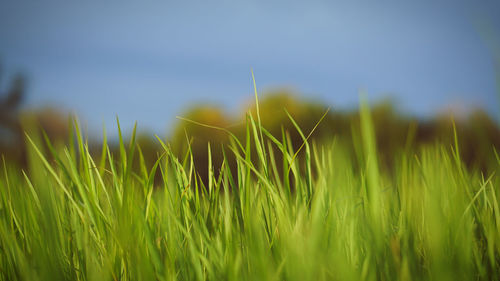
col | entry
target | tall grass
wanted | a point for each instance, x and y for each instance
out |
(321, 213)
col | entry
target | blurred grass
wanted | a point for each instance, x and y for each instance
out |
(336, 212)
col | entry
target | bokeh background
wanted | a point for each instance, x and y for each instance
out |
(151, 61)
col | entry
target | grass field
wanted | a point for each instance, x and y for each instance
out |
(322, 213)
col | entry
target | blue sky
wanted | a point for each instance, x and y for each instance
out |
(149, 60)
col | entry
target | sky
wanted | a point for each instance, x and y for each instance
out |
(148, 61)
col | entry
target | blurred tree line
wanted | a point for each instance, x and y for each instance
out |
(477, 133)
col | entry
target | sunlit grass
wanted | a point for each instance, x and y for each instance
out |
(328, 214)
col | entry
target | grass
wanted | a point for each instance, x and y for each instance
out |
(328, 214)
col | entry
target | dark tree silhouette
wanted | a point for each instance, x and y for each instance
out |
(11, 133)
